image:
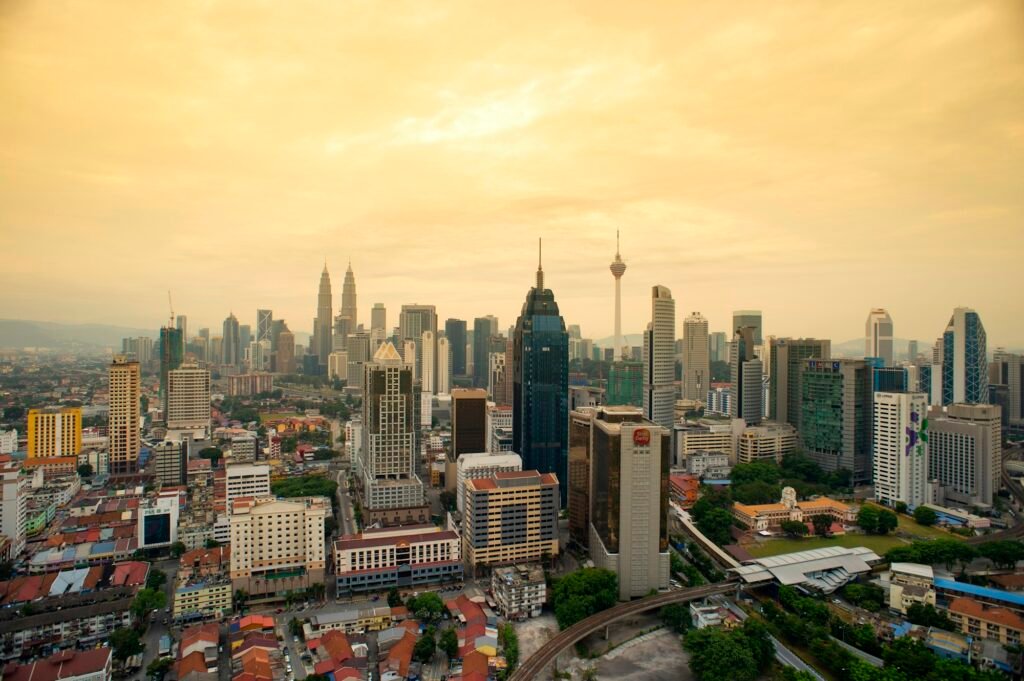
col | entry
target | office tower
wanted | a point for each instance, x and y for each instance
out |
(244, 338)
(696, 362)
(216, 349)
(629, 469)
(204, 332)
(388, 461)
(579, 476)
(469, 421)
(277, 545)
(54, 438)
(342, 327)
(428, 378)
(264, 324)
(540, 395)
(14, 493)
(285, 358)
(767, 442)
(746, 395)
(484, 328)
(140, 348)
(188, 402)
(172, 351)
(231, 343)
(379, 318)
(751, 318)
(965, 453)
(912, 350)
(525, 529)
(888, 379)
(964, 359)
(659, 359)
(878, 335)
(835, 415)
(444, 366)
(409, 355)
(349, 308)
(276, 327)
(786, 357)
(455, 332)
(482, 465)
(412, 322)
(170, 463)
(123, 418)
(337, 365)
(625, 384)
(245, 480)
(900, 446)
(1007, 369)
(618, 268)
(718, 347)
(322, 341)
(181, 323)
(498, 385)
(359, 354)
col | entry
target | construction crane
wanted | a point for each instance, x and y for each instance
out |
(170, 324)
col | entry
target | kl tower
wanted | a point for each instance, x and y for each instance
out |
(618, 268)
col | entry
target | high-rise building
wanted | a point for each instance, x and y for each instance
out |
(964, 359)
(264, 324)
(188, 402)
(900, 444)
(746, 392)
(625, 384)
(455, 332)
(484, 328)
(323, 331)
(786, 357)
(409, 356)
(766, 442)
(878, 335)
(579, 475)
(181, 323)
(718, 349)
(245, 480)
(540, 394)
(444, 366)
(349, 308)
(14, 493)
(482, 465)
(469, 421)
(412, 322)
(231, 343)
(123, 418)
(244, 338)
(618, 268)
(1008, 369)
(337, 365)
(659, 359)
(751, 318)
(54, 438)
(428, 376)
(379, 318)
(499, 384)
(510, 517)
(277, 545)
(966, 453)
(696, 360)
(835, 415)
(629, 469)
(359, 354)
(172, 352)
(912, 350)
(388, 458)
(285, 357)
(141, 349)
(170, 462)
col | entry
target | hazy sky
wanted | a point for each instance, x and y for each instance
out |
(812, 159)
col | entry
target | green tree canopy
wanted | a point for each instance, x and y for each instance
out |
(124, 643)
(794, 528)
(743, 473)
(155, 579)
(582, 593)
(449, 643)
(427, 606)
(425, 645)
(925, 516)
(311, 485)
(720, 655)
(822, 524)
(716, 525)
(146, 601)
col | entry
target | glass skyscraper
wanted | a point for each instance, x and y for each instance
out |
(540, 396)
(964, 360)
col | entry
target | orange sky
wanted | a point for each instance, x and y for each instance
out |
(809, 159)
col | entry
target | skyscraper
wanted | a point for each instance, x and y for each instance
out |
(752, 318)
(966, 452)
(964, 359)
(483, 329)
(244, 338)
(379, 318)
(900, 461)
(1008, 369)
(618, 268)
(181, 322)
(322, 341)
(231, 343)
(625, 384)
(540, 394)
(718, 346)
(785, 360)
(188, 402)
(172, 351)
(835, 415)
(123, 418)
(455, 332)
(746, 392)
(444, 366)
(285, 357)
(54, 438)
(264, 325)
(659, 359)
(469, 422)
(348, 299)
(878, 335)
(429, 373)
(412, 322)
(696, 362)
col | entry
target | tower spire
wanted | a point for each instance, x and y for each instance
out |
(540, 268)
(617, 243)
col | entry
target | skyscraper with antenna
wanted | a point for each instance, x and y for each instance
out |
(618, 268)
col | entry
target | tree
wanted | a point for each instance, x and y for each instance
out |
(425, 645)
(6, 570)
(211, 543)
(743, 473)
(582, 593)
(314, 485)
(716, 526)
(427, 606)
(394, 598)
(509, 641)
(710, 499)
(676, 616)
(901, 507)
(85, 470)
(866, 596)
(822, 524)
(212, 453)
(295, 627)
(717, 655)
(241, 596)
(927, 616)
(1004, 554)
(867, 518)
(759, 642)
(887, 522)
(448, 501)
(794, 528)
(756, 492)
(449, 643)
(155, 579)
(146, 601)
(178, 549)
(124, 643)
(159, 667)
(675, 563)
(925, 516)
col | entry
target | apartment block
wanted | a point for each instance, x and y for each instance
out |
(188, 402)
(123, 419)
(520, 591)
(978, 620)
(400, 557)
(510, 517)
(54, 438)
(705, 436)
(482, 465)
(766, 442)
(14, 494)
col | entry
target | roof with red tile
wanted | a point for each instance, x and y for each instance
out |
(1000, 616)
(336, 644)
(474, 663)
(400, 655)
(129, 573)
(62, 665)
(193, 662)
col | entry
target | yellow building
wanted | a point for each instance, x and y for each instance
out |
(770, 516)
(511, 517)
(54, 438)
(978, 621)
(210, 598)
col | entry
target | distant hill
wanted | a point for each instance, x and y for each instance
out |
(20, 333)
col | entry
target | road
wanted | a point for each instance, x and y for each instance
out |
(783, 654)
(157, 628)
(345, 514)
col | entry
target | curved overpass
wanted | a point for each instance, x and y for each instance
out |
(533, 666)
(1015, 532)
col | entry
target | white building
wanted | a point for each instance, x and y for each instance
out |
(427, 343)
(188, 402)
(965, 453)
(401, 556)
(766, 442)
(706, 436)
(353, 438)
(245, 480)
(900, 452)
(243, 448)
(337, 365)
(158, 522)
(696, 358)
(878, 335)
(479, 466)
(520, 591)
(499, 417)
(710, 465)
(8, 441)
(444, 367)
(659, 393)
(14, 492)
(718, 400)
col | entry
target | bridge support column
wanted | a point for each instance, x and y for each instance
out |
(607, 631)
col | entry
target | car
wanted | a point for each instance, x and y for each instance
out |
(295, 639)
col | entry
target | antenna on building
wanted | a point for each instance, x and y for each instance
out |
(540, 269)
(170, 323)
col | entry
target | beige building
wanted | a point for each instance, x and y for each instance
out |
(965, 453)
(14, 493)
(911, 583)
(245, 480)
(705, 436)
(980, 621)
(123, 420)
(770, 516)
(520, 591)
(510, 517)
(766, 442)
(407, 556)
(696, 358)
(188, 402)
(277, 545)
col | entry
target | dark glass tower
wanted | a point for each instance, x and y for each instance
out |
(455, 331)
(540, 395)
(172, 352)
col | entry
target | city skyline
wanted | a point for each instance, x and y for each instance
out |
(805, 145)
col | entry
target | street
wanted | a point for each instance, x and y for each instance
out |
(157, 628)
(346, 518)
